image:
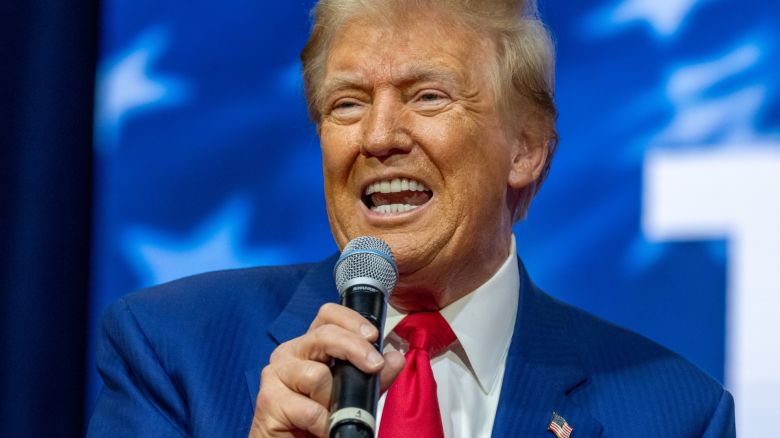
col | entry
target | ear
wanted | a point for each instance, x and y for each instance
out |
(528, 157)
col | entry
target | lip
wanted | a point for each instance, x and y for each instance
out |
(389, 177)
(375, 218)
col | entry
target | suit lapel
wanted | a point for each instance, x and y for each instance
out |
(316, 288)
(542, 371)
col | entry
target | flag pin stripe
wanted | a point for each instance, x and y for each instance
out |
(559, 426)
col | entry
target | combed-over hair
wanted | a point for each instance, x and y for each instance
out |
(525, 80)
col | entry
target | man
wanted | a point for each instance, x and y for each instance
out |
(436, 123)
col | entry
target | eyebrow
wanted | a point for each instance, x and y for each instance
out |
(409, 75)
(428, 73)
(343, 82)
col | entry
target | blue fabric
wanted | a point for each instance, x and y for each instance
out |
(184, 359)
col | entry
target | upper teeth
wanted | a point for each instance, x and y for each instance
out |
(396, 185)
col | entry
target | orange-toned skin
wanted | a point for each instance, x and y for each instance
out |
(416, 102)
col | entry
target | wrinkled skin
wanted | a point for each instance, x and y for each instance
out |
(418, 102)
(414, 102)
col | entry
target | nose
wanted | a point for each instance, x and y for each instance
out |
(385, 131)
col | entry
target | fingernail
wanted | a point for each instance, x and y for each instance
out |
(366, 330)
(374, 358)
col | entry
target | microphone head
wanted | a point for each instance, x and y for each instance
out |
(369, 258)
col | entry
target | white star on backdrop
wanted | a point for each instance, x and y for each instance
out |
(664, 18)
(723, 118)
(127, 85)
(219, 242)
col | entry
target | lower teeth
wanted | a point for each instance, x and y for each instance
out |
(393, 208)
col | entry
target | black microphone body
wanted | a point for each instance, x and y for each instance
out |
(353, 388)
(365, 276)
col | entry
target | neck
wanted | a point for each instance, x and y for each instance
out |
(418, 292)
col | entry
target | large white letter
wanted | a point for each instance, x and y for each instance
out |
(731, 193)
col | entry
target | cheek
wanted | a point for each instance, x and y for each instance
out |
(337, 154)
(463, 150)
(450, 144)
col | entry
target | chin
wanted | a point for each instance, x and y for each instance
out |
(410, 254)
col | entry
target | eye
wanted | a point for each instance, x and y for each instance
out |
(431, 99)
(344, 104)
(430, 96)
(347, 109)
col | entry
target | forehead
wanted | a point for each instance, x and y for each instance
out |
(413, 50)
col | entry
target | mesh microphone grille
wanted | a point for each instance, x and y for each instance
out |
(366, 256)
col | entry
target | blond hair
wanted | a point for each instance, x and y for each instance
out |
(525, 80)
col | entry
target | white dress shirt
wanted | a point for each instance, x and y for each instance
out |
(469, 373)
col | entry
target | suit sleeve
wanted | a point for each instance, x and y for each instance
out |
(138, 398)
(721, 424)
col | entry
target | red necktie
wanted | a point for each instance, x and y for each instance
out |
(411, 407)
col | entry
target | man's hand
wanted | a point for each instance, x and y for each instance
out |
(295, 387)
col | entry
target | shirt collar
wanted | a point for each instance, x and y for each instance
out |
(483, 321)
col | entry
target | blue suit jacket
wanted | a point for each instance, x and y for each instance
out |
(184, 359)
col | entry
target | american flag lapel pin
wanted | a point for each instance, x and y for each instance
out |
(559, 426)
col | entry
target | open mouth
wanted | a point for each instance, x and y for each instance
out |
(397, 195)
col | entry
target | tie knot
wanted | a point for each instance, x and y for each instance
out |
(427, 331)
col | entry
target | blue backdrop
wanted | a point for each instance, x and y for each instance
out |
(205, 159)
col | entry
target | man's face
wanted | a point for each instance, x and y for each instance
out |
(415, 153)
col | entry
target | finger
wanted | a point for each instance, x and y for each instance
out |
(394, 364)
(279, 410)
(331, 341)
(306, 414)
(307, 377)
(346, 318)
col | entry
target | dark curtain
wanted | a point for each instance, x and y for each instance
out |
(47, 63)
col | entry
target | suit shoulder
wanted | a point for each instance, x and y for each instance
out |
(178, 348)
(249, 296)
(609, 345)
(639, 371)
(272, 283)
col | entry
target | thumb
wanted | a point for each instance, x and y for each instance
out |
(394, 363)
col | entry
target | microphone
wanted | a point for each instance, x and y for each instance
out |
(365, 276)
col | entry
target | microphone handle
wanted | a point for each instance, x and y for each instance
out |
(355, 393)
